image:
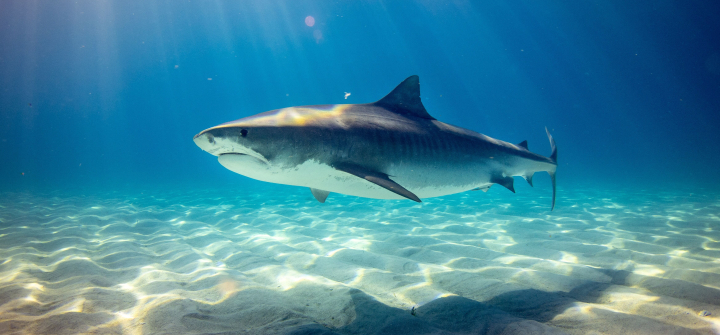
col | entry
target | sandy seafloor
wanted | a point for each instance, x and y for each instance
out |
(272, 261)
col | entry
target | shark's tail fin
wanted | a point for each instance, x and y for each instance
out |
(553, 157)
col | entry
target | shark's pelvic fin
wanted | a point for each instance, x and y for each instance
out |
(553, 157)
(484, 188)
(319, 195)
(523, 145)
(405, 99)
(504, 181)
(377, 178)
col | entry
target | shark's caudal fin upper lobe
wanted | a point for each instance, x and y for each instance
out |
(553, 157)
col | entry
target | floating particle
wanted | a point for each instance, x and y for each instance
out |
(23, 173)
(30, 104)
(177, 66)
(347, 94)
(310, 21)
(318, 35)
(209, 78)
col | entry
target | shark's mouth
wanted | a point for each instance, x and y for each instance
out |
(241, 155)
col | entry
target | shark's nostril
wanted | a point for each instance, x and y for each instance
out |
(211, 139)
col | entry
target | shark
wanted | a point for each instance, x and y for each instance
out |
(388, 149)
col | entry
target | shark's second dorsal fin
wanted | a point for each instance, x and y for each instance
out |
(405, 99)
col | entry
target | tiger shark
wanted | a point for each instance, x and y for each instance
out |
(389, 149)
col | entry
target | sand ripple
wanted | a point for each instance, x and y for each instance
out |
(274, 261)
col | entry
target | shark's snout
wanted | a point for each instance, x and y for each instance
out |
(218, 145)
(205, 141)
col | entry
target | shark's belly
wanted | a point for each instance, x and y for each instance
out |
(425, 182)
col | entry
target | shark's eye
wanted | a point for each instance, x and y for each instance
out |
(243, 132)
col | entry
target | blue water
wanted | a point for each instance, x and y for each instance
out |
(100, 100)
(630, 90)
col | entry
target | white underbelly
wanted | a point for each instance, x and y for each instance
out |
(321, 176)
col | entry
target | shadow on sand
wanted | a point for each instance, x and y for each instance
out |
(527, 311)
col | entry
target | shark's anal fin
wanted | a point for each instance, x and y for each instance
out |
(377, 178)
(528, 178)
(319, 195)
(405, 99)
(504, 181)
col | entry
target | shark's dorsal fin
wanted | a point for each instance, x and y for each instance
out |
(377, 178)
(523, 145)
(405, 99)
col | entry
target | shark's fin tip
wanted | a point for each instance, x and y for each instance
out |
(405, 99)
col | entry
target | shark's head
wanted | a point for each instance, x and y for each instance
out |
(236, 145)
(264, 143)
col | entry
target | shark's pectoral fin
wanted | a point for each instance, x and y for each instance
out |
(377, 178)
(505, 181)
(319, 195)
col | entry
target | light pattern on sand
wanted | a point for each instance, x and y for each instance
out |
(218, 261)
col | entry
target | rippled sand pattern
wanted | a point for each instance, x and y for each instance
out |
(218, 261)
